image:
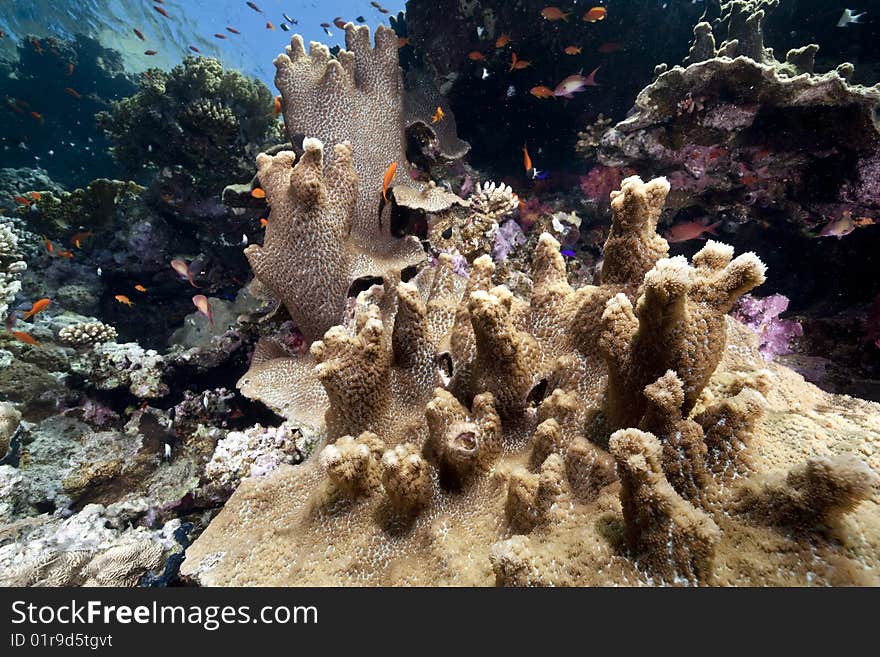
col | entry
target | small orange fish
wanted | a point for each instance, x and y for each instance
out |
(77, 238)
(232, 29)
(27, 338)
(140, 288)
(194, 49)
(21, 200)
(554, 14)
(121, 298)
(72, 92)
(264, 222)
(37, 307)
(517, 64)
(35, 195)
(690, 230)
(572, 50)
(386, 181)
(258, 192)
(863, 221)
(277, 108)
(502, 40)
(402, 42)
(67, 253)
(150, 52)
(438, 115)
(476, 56)
(541, 92)
(162, 11)
(183, 270)
(49, 245)
(610, 47)
(200, 301)
(338, 22)
(269, 26)
(595, 14)
(38, 117)
(139, 34)
(527, 160)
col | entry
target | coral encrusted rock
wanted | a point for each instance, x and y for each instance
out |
(475, 437)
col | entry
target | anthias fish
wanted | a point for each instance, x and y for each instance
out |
(595, 14)
(438, 115)
(37, 307)
(386, 181)
(121, 298)
(575, 84)
(201, 302)
(554, 14)
(26, 338)
(690, 230)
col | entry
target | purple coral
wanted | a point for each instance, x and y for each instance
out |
(509, 236)
(761, 315)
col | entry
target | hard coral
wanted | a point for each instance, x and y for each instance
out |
(330, 226)
(437, 399)
(199, 116)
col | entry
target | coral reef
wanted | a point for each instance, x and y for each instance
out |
(468, 434)
(209, 121)
(11, 267)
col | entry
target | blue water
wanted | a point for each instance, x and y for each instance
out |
(191, 22)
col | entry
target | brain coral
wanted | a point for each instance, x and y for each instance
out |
(329, 225)
(625, 433)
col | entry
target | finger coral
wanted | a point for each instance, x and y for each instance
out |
(580, 436)
(86, 333)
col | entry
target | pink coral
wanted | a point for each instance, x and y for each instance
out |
(599, 182)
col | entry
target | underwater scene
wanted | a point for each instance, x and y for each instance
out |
(440, 293)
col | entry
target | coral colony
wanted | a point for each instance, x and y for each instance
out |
(331, 351)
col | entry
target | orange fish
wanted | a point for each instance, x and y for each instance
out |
(863, 221)
(162, 11)
(77, 238)
(338, 22)
(379, 7)
(389, 176)
(438, 115)
(232, 29)
(554, 14)
(37, 307)
(121, 298)
(502, 40)
(277, 108)
(200, 301)
(38, 117)
(140, 288)
(402, 42)
(517, 64)
(527, 161)
(27, 338)
(258, 192)
(690, 230)
(183, 270)
(72, 92)
(269, 26)
(264, 222)
(476, 56)
(49, 246)
(595, 14)
(611, 46)
(150, 52)
(70, 68)
(541, 92)
(35, 195)
(194, 49)
(572, 50)
(67, 253)
(139, 34)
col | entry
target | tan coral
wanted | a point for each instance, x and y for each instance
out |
(507, 406)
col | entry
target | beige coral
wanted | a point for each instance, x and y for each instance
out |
(508, 405)
(86, 333)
